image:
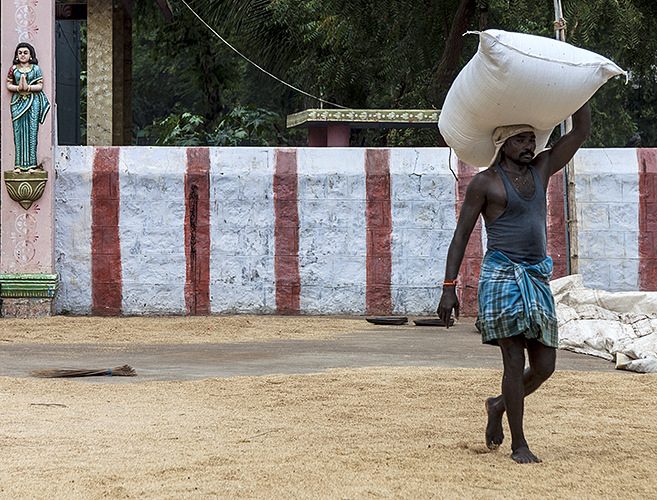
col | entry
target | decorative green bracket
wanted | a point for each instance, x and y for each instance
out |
(29, 285)
(26, 187)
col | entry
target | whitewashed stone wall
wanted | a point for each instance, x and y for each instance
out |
(332, 227)
(607, 198)
(242, 230)
(332, 248)
(424, 219)
(151, 230)
(73, 229)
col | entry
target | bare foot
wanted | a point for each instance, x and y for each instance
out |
(494, 432)
(523, 456)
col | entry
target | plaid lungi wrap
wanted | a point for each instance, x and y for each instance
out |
(515, 298)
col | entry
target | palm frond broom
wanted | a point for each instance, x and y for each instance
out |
(119, 371)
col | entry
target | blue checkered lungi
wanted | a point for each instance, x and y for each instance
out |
(515, 298)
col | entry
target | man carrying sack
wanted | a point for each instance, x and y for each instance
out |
(516, 307)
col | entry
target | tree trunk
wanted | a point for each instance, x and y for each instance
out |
(448, 65)
(211, 87)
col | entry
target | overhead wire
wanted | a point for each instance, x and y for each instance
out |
(296, 89)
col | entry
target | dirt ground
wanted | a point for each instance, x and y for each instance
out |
(360, 433)
(174, 330)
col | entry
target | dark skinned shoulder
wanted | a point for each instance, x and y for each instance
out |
(485, 181)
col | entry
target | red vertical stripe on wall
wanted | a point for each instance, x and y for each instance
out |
(379, 231)
(197, 231)
(469, 273)
(647, 219)
(286, 232)
(556, 226)
(106, 277)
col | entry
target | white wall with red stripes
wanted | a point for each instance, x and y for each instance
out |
(147, 230)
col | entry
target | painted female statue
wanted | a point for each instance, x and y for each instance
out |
(29, 106)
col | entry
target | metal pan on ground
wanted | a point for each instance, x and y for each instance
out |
(432, 322)
(388, 321)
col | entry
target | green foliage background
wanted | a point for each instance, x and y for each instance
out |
(364, 54)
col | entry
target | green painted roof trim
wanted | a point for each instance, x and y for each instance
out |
(28, 285)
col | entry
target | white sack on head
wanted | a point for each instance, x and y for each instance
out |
(513, 79)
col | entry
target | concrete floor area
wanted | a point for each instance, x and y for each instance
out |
(407, 345)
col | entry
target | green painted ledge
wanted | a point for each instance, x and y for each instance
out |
(365, 118)
(13, 286)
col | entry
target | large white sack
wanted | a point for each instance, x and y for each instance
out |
(570, 291)
(621, 325)
(636, 365)
(518, 79)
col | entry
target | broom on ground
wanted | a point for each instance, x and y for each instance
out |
(119, 371)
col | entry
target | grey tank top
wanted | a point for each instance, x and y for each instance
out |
(520, 232)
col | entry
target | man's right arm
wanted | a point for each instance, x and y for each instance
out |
(473, 205)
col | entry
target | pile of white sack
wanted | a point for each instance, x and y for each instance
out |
(518, 79)
(620, 327)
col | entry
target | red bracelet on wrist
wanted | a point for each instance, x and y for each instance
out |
(449, 283)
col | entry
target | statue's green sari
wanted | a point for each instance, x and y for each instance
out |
(28, 110)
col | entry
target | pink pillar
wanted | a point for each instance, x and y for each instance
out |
(331, 135)
(28, 235)
(317, 137)
(337, 136)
